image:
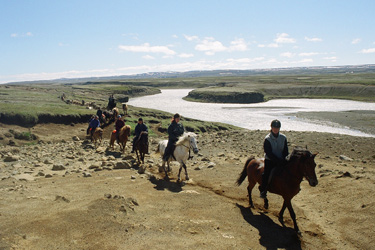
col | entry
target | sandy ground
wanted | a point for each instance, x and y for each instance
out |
(122, 209)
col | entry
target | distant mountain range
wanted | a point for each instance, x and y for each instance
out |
(347, 69)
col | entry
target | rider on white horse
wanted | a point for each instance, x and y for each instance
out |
(175, 130)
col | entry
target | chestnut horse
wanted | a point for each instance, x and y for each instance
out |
(97, 136)
(123, 138)
(286, 183)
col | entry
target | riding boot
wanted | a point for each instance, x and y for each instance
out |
(263, 187)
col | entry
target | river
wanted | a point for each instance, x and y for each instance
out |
(258, 115)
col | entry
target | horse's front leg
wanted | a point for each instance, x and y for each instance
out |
(293, 215)
(186, 173)
(281, 214)
(179, 172)
(165, 170)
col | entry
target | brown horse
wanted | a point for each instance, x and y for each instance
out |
(123, 138)
(97, 137)
(286, 183)
(141, 146)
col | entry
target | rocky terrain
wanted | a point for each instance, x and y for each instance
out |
(62, 193)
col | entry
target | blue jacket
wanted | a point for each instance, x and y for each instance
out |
(94, 123)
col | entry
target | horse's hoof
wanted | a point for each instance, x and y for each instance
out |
(187, 178)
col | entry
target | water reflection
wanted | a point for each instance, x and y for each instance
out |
(258, 115)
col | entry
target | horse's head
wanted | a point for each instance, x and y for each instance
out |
(193, 142)
(306, 164)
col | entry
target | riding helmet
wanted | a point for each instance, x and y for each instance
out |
(276, 124)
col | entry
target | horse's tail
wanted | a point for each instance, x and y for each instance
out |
(243, 174)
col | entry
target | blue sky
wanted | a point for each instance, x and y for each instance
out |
(67, 39)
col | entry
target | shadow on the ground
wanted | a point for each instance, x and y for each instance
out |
(162, 184)
(272, 235)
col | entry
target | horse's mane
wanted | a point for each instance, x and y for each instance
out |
(125, 130)
(184, 137)
(299, 152)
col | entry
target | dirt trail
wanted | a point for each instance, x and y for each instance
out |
(122, 209)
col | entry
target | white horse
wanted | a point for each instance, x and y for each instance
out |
(181, 153)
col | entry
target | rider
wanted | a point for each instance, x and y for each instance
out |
(94, 123)
(88, 128)
(275, 149)
(119, 124)
(175, 130)
(141, 127)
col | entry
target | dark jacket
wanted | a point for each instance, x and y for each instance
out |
(175, 130)
(139, 128)
(119, 124)
(275, 147)
(94, 123)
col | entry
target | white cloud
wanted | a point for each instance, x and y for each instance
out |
(356, 40)
(210, 46)
(271, 45)
(63, 44)
(284, 38)
(146, 48)
(148, 57)
(245, 60)
(313, 39)
(27, 34)
(185, 55)
(308, 54)
(332, 58)
(191, 38)
(367, 51)
(238, 45)
(307, 60)
(287, 54)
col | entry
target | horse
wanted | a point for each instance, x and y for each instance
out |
(141, 146)
(125, 108)
(286, 183)
(97, 137)
(181, 153)
(123, 138)
(115, 113)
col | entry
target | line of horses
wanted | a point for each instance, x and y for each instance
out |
(285, 182)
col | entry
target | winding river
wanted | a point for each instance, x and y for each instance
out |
(258, 115)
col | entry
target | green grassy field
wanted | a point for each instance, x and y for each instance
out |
(28, 101)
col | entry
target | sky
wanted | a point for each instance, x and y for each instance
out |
(43, 39)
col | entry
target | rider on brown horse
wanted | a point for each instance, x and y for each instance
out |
(275, 149)
(175, 130)
(94, 123)
(119, 124)
(141, 127)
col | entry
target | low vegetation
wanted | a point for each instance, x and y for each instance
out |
(30, 103)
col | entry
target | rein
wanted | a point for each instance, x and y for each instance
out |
(190, 157)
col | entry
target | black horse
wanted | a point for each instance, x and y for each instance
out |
(141, 147)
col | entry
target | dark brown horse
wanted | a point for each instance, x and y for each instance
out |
(141, 146)
(285, 183)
